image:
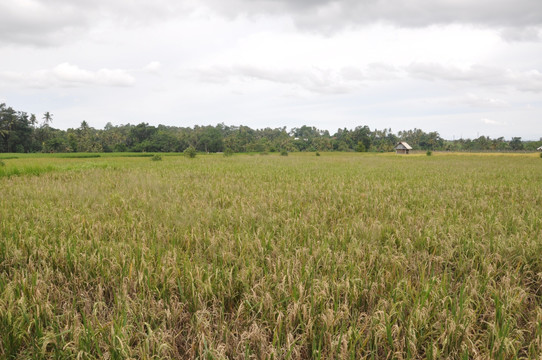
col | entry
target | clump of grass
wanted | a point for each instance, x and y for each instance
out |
(25, 170)
(190, 152)
(156, 157)
(541, 154)
(429, 153)
(8, 157)
(264, 153)
(317, 153)
(132, 155)
(78, 156)
(284, 153)
(228, 152)
(2, 163)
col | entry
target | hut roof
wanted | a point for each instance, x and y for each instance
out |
(403, 145)
(539, 149)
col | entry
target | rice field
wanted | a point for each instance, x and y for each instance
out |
(341, 256)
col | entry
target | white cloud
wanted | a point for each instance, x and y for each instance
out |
(68, 75)
(484, 102)
(480, 75)
(491, 122)
(54, 22)
(153, 67)
(513, 34)
(347, 79)
(313, 79)
(329, 14)
(49, 22)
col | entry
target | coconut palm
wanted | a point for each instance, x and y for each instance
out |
(47, 118)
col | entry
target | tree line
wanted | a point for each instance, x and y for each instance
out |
(21, 132)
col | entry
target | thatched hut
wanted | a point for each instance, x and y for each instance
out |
(402, 148)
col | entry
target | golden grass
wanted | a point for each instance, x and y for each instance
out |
(338, 256)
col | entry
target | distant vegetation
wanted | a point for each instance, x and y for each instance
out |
(23, 133)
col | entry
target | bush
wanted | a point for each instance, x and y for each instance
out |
(429, 153)
(190, 152)
(264, 153)
(156, 157)
(284, 153)
(317, 153)
(360, 147)
(2, 163)
(228, 152)
(541, 154)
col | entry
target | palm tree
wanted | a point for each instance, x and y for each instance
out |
(47, 118)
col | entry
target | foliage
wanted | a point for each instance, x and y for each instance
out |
(20, 133)
(2, 163)
(228, 152)
(284, 153)
(516, 144)
(156, 157)
(190, 152)
(360, 147)
(429, 153)
(317, 153)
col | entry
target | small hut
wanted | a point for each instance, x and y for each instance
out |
(402, 148)
(539, 149)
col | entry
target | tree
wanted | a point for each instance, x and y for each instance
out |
(47, 118)
(209, 139)
(15, 130)
(516, 143)
(360, 147)
(138, 134)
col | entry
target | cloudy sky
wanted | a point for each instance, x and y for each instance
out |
(463, 68)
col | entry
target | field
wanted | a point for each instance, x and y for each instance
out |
(347, 255)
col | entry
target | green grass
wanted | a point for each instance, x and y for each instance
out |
(78, 155)
(351, 255)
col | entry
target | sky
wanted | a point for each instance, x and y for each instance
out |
(460, 67)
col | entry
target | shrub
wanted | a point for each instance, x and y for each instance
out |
(2, 163)
(429, 153)
(156, 157)
(190, 152)
(541, 154)
(317, 153)
(284, 153)
(228, 152)
(264, 153)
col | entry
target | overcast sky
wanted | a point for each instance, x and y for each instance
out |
(463, 68)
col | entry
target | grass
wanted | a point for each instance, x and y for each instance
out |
(78, 155)
(338, 256)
